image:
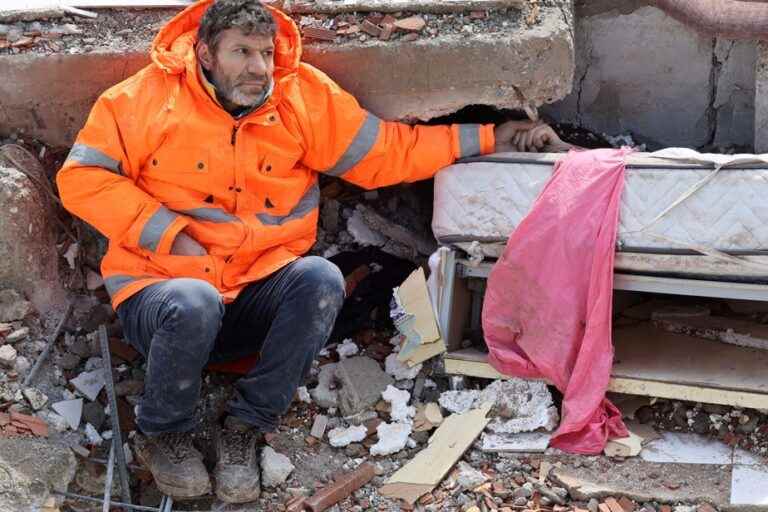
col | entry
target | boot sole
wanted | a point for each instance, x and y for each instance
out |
(228, 498)
(172, 490)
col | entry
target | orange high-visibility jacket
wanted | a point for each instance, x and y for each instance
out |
(159, 155)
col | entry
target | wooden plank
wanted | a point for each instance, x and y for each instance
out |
(651, 354)
(446, 446)
(692, 287)
(688, 393)
(698, 372)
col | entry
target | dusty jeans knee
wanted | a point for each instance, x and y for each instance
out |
(286, 318)
(180, 325)
(174, 325)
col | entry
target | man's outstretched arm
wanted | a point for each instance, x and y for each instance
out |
(345, 140)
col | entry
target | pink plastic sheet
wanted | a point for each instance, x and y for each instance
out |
(547, 311)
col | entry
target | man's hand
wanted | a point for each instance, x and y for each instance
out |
(505, 134)
(185, 245)
(528, 137)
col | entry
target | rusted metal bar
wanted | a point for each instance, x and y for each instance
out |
(117, 437)
(341, 488)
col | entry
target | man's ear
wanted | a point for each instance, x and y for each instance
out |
(204, 55)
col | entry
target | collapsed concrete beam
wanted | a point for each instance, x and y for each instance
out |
(510, 65)
(432, 77)
(343, 6)
(49, 96)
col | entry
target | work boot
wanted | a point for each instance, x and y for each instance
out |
(174, 463)
(237, 466)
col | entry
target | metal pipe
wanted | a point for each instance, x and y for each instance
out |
(109, 478)
(92, 499)
(117, 437)
(731, 19)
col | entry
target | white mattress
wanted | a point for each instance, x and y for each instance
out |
(485, 201)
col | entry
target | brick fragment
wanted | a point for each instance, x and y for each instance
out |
(373, 30)
(628, 505)
(386, 32)
(122, 350)
(411, 24)
(613, 505)
(410, 37)
(341, 488)
(319, 33)
(478, 15)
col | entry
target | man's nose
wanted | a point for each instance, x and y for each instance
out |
(257, 65)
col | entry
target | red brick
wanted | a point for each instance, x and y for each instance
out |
(122, 350)
(373, 30)
(412, 24)
(319, 33)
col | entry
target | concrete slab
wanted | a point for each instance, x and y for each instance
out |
(687, 449)
(643, 481)
(513, 66)
(750, 485)
(524, 442)
(336, 6)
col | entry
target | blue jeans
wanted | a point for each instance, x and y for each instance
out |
(181, 325)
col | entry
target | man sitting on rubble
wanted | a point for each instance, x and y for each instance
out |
(202, 171)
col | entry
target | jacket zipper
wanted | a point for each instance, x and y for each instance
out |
(234, 134)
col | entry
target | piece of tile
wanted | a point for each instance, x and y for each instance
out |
(687, 449)
(749, 485)
(746, 458)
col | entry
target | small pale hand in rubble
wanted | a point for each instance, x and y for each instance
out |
(529, 137)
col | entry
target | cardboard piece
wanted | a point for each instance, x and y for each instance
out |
(414, 317)
(624, 447)
(446, 446)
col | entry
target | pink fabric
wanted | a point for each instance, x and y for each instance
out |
(547, 311)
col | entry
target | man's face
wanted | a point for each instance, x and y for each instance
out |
(240, 67)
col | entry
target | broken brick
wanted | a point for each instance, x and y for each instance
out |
(375, 31)
(613, 505)
(478, 15)
(410, 37)
(122, 350)
(628, 505)
(603, 507)
(412, 24)
(319, 33)
(23, 42)
(386, 32)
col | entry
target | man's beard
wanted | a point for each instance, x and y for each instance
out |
(230, 91)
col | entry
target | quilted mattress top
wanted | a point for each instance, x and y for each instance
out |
(486, 199)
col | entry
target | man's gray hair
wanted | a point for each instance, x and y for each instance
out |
(250, 16)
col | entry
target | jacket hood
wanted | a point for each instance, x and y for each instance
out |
(173, 49)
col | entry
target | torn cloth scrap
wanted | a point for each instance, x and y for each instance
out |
(547, 311)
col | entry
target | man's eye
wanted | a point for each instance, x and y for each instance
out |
(269, 53)
(241, 51)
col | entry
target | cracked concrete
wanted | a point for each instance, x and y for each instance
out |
(640, 72)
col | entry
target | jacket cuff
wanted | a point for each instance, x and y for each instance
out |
(156, 231)
(473, 139)
(487, 139)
